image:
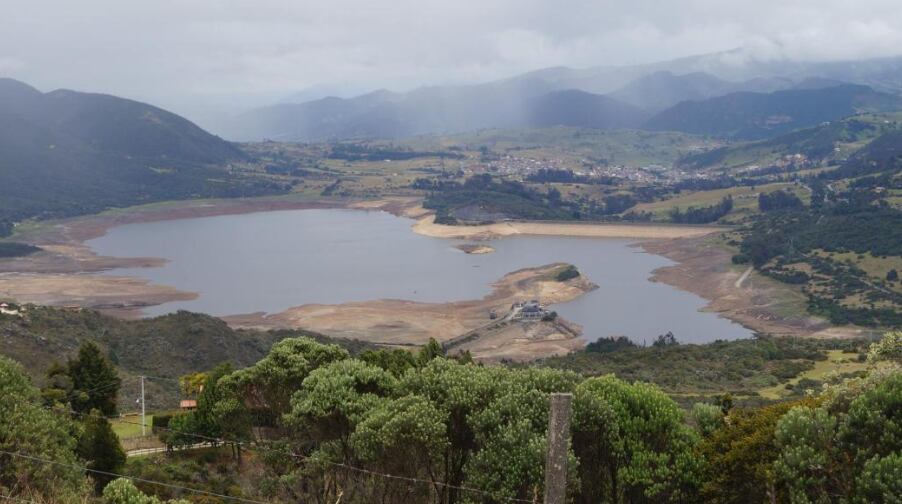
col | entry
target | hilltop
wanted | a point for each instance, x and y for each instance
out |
(68, 153)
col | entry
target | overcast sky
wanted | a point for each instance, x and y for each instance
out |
(192, 54)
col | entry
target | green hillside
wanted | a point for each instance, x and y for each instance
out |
(68, 153)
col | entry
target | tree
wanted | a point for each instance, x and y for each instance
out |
(740, 456)
(211, 392)
(192, 384)
(665, 340)
(632, 444)
(187, 428)
(404, 436)
(59, 385)
(334, 399)
(95, 382)
(432, 350)
(27, 427)
(708, 417)
(889, 348)
(395, 361)
(268, 385)
(123, 491)
(879, 480)
(99, 446)
(779, 200)
(846, 448)
(805, 464)
(892, 275)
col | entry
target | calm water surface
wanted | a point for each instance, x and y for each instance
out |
(272, 261)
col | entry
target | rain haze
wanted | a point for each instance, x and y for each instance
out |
(207, 56)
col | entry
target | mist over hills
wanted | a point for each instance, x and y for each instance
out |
(598, 97)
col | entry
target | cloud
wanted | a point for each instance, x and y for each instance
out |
(243, 52)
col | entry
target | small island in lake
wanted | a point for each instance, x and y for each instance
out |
(475, 248)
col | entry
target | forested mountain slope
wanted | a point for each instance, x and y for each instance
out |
(66, 153)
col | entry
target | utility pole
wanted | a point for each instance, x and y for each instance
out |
(558, 439)
(143, 418)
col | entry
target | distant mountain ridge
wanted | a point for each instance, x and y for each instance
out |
(66, 153)
(751, 116)
(664, 89)
(383, 114)
(534, 98)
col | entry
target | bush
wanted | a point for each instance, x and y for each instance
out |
(15, 249)
(567, 273)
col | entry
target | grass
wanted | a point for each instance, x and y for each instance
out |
(745, 199)
(130, 426)
(838, 362)
(874, 266)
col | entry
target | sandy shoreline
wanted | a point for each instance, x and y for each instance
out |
(426, 226)
(401, 322)
(758, 303)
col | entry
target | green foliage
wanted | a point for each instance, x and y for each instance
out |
(740, 456)
(778, 200)
(844, 450)
(803, 436)
(99, 446)
(395, 361)
(267, 386)
(95, 382)
(567, 273)
(632, 444)
(740, 366)
(26, 427)
(610, 344)
(702, 215)
(888, 348)
(482, 199)
(15, 249)
(123, 491)
(708, 417)
(335, 398)
(860, 223)
(168, 346)
(880, 480)
(431, 350)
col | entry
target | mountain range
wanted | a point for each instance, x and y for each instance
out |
(641, 96)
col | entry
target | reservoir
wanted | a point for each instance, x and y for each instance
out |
(271, 261)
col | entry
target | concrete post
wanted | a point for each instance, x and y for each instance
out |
(556, 460)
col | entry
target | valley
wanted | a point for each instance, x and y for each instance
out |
(645, 282)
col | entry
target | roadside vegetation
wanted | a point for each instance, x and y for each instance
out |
(309, 422)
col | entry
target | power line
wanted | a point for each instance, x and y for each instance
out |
(132, 478)
(303, 458)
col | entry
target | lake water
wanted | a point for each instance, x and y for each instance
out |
(272, 261)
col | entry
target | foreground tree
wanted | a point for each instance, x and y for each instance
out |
(27, 428)
(123, 491)
(99, 446)
(632, 444)
(847, 448)
(740, 456)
